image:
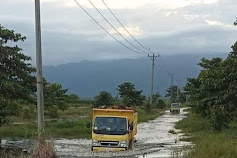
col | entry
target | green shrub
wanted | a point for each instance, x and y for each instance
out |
(28, 113)
(160, 104)
(53, 112)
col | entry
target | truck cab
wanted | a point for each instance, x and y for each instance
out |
(113, 129)
(175, 107)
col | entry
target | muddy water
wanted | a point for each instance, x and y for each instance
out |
(153, 140)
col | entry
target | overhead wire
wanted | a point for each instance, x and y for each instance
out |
(115, 28)
(158, 81)
(168, 72)
(125, 28)
(141, 51)
(105, 29)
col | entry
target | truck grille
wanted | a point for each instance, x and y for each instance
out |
(109, 143)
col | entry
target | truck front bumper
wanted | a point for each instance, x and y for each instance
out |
(108, 149)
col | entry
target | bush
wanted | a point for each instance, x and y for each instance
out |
(53, 112)
(28, 113)
(148, 107)
(160, 104)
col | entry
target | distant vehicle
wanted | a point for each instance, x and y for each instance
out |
(113, 129)
(175, 107)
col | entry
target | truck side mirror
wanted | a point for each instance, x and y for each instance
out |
(88, 124)
(131, 126)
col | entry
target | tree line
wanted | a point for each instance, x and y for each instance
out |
(213, 94)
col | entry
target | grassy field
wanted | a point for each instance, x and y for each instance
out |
(144, 116)
(209, 144)
(71, 123)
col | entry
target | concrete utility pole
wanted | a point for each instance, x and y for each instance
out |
(40, 97)
(177, 95)
(171, 87)
(153, 58)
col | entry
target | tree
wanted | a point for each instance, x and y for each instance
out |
(157, 101)
(73, 98)
(16, 79)
(55, 96)
(178, 95)
(235, 23)
(214, 92)
(174, 96)
(130, 96)
(156, 97)
(104, 98)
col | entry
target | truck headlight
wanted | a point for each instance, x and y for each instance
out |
(123, 143)
(95, 142)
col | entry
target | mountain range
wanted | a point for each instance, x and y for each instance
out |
(89, 78)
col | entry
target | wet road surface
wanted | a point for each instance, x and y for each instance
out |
(153, 141)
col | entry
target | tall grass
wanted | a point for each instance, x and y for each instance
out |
(58, 129)
(44, 149)
(11, 154)
(144, 115)
(71, 124)
(209, 144)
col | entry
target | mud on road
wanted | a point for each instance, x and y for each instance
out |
(153, 140)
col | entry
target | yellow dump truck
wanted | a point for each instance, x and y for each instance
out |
(113, 129)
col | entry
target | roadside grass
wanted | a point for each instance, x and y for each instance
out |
(58, 129)
(11, 154)
(172, 131)
(208, 144)
(70, 124)
(76, 112)
(144, 116)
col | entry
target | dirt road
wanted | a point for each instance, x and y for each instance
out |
(153, 140)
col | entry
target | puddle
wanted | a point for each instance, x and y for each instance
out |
(153, 141)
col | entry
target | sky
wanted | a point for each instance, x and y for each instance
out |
(166, 27)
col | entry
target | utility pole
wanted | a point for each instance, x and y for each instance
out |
(153, 58)
(177, 96)
(171, 87)
(40, 98)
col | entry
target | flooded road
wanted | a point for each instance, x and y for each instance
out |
(153, 140)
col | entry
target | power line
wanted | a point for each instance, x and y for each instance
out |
(105, 29)
(115, 28)
(125, 27)
(164, 66)
(158, 81)
(169, 73)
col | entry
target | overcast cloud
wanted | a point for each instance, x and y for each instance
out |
(164, 26)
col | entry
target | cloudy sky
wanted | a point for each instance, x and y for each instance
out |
(165, 26)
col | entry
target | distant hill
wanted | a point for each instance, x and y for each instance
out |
(88, 78)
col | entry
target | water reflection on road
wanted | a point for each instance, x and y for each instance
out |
(153, 140)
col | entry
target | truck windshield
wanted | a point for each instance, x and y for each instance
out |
(110, 125)
(177, 105)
